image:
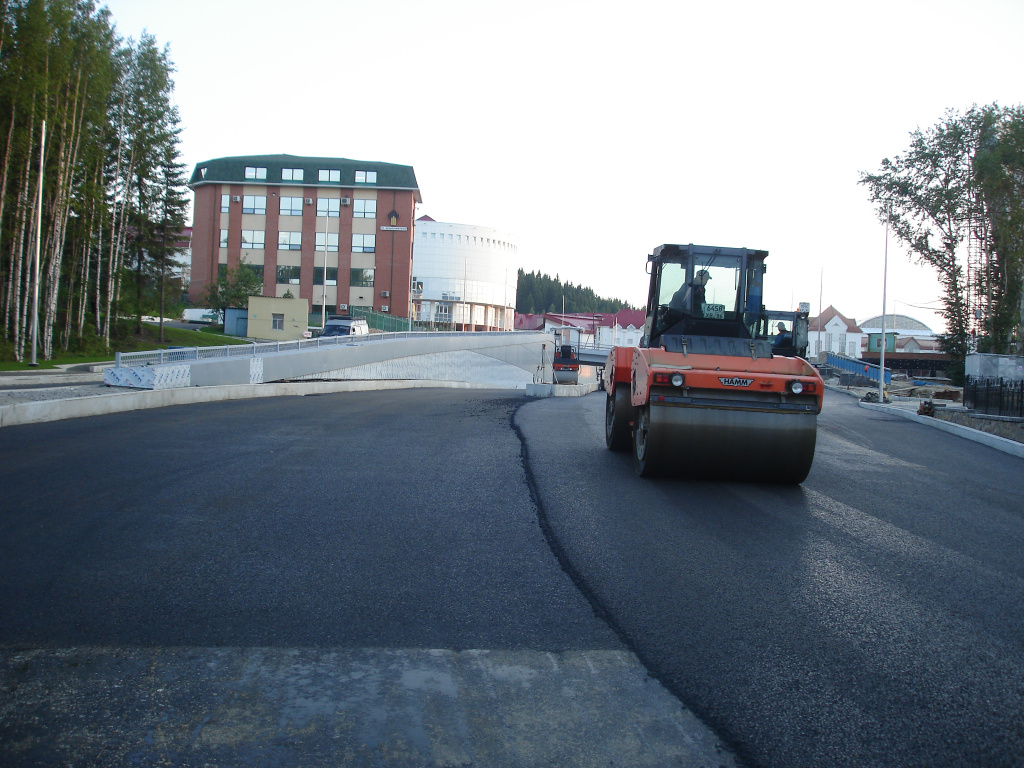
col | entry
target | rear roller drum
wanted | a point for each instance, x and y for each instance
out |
(644, 455)
(616, 419)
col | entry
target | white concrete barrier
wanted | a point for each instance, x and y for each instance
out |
(560, 390)
(120, 401)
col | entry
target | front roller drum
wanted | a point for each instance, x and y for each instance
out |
(718, 443)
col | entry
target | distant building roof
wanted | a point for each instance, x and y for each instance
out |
(583, 320)
(528, 322)
(924, 344)
(231, 170)
(819, 323)
(896, 322)
(628, 317)
(184, 238)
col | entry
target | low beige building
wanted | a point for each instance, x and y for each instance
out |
(277, 319)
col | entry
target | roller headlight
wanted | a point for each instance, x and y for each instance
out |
(796, 387)
(677, 379)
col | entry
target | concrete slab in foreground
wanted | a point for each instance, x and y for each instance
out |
(352, 707)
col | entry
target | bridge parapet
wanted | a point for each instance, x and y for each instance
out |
(502, 359)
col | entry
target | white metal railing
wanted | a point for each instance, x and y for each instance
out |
(256, 349)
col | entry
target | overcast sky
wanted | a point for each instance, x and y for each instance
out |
(594, 131)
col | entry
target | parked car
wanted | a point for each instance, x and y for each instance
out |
(345, 326)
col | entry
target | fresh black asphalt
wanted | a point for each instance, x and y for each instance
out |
(332, 520)
(871, 617)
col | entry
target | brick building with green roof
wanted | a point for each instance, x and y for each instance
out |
(288, 218)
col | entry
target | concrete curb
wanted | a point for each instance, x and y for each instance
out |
(71, 408)
(560, 390)
(1011, 447)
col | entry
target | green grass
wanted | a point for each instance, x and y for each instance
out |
(127, 341)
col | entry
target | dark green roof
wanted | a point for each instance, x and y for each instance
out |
(231, 170)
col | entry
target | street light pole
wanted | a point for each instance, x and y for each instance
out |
(821, 293)
(885, 276)
(323, 302)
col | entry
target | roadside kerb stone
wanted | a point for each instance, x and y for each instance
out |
(992, 441)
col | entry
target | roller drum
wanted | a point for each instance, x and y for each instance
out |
(721, 443)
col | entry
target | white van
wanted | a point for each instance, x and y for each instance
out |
(345, 326)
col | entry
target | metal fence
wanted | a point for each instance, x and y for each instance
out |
(187, 354)
(994, 397)
(857, 366)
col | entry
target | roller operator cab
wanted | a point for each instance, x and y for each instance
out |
(718, 387)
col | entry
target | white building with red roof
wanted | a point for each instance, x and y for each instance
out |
(601, 329)
(834, 332)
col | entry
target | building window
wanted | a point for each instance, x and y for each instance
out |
(361, 278)
(291, 174)
(366, 177)
(289, 241)
(222, 272)
(288, 275)
(253, 239)
(291, 206)
(255, 173)
(331, 239)
(254, 204)
(364, 243)
(329, 174)
(276, 321)
(225, 201)
(329, 207)
(223, 238)
(364, 209)
(332, 276)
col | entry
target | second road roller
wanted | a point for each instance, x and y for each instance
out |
(719, 387)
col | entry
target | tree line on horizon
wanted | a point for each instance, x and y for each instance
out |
(114, 192)
(955, 199)
(539, 293)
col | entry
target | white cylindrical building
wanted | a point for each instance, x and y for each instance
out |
(464, 276)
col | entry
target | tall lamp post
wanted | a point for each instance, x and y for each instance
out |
(323, 302)
(885, 276)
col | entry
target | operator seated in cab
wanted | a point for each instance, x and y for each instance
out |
(691, 297)
(783, 338)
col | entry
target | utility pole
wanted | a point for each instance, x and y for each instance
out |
(323, 301)
(885, 275)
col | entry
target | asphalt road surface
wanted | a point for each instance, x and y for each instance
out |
(871, 617)
(442, 577)
(349, 579)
